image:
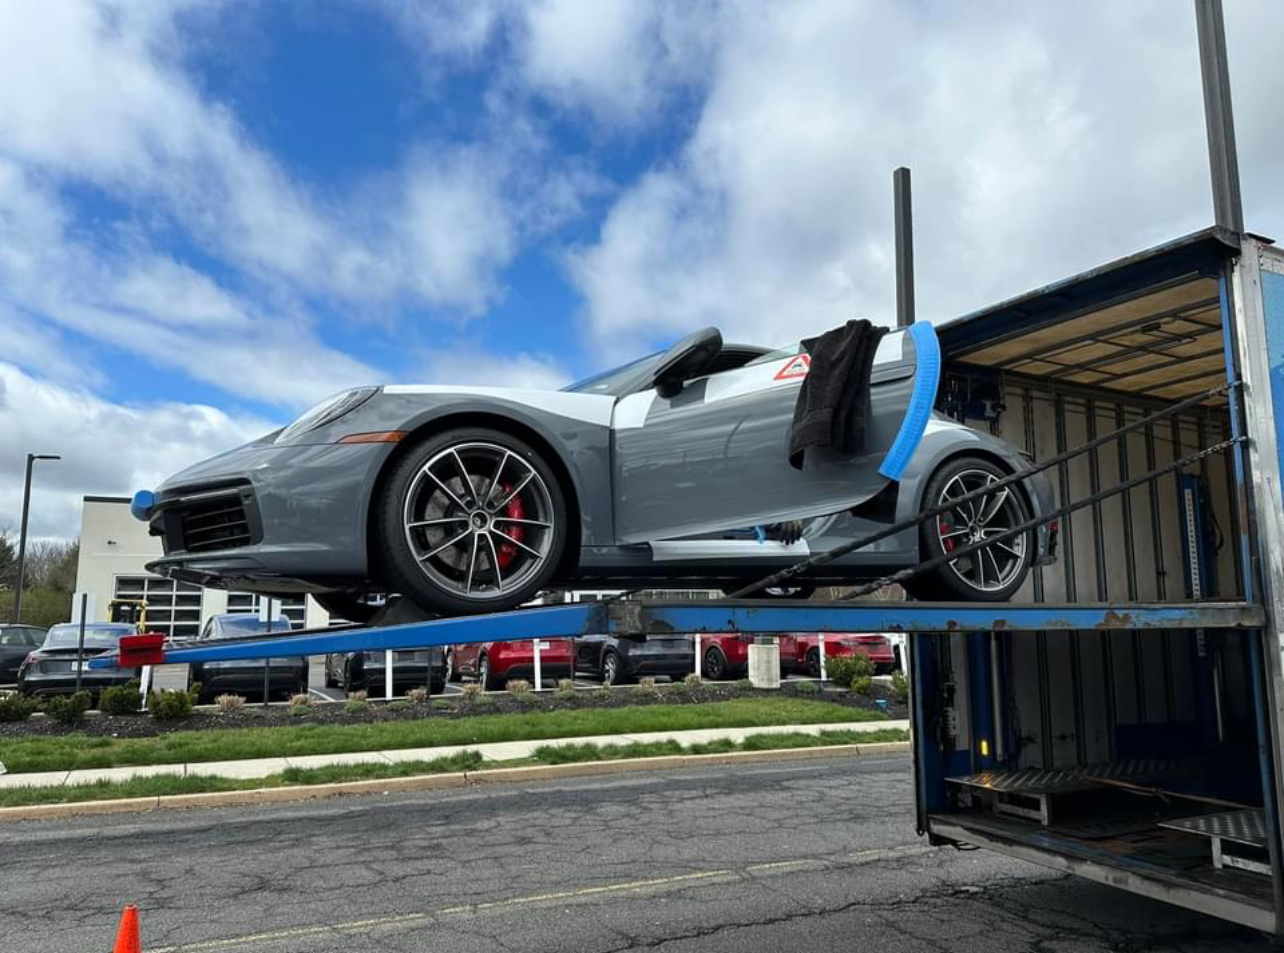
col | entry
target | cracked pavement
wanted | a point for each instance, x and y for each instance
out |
(807, 856)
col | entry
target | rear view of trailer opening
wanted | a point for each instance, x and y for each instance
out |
(1142, 757)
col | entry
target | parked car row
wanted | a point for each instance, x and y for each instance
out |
(617, 660)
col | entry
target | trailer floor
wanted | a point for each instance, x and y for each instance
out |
(1127, 851)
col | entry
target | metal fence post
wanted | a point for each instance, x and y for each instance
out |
(539, 683)
(80, 644)
(695, 642)
(387, 674)
(820, 648)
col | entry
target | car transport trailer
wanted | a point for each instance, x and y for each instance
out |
(1121, 719)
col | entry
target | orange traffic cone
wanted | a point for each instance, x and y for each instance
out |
(127, 937)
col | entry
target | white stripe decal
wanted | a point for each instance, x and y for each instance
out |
(725, 549)
(590, 408)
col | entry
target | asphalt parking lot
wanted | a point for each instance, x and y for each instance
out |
(779, 858)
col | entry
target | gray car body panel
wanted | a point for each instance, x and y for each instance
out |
(666, 488)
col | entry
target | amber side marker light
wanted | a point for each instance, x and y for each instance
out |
(378, 436)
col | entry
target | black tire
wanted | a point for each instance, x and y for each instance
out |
(485, 677)
(884, 668)
(432, 578)
(813, 663)
(330, 680)
(612, 668)
(350, 683)
(1008, 560)
(346, 605)
(715, 664)
(452, 673)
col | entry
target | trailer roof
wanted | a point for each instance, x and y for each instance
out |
(1147, 324)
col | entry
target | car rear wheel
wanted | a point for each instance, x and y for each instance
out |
(485, 677)
(612, 672)
(776, 592)
(471, 520)
(998, 568)
(715, 664)
(813, 663)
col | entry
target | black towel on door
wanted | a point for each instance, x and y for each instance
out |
(833, 402)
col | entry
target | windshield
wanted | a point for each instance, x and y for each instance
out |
(68, 636)
(238, 626)
(619, 381)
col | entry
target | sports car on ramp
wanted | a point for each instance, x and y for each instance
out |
(669, 470)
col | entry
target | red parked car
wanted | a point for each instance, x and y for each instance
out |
(724, 656)
(800, 652)
(494, 663)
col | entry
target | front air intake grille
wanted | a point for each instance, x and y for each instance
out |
(216, 524)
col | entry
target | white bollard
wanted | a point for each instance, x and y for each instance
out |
(145, 684)
(698, 660)
(820, 648)
(387, 673)
(539, 683)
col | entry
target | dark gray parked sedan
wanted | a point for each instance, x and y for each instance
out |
(617, 661)
(52, 668)
(16, 643)
(673, 468)
(285, 676)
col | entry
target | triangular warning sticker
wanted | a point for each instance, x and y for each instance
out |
(794, 367)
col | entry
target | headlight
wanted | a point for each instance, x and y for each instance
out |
(327, 412)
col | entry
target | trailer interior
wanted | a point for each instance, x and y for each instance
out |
(1136, 758)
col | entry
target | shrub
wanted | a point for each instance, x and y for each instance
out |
(862, 684)
(298, 711)
(519, 686)
(472, 692)
(121, 699)
(301, 700)
(806, 688)
(842, 669)
(647, 683)
(693, 680)
(358, 696)
(230, 703)
(417, 696)
(167, 705)
(566, 684)
(354, 704)
(16, 707)
(440, 704)
(401, 704)
(900, 687)
(69, 709)
(743, 684)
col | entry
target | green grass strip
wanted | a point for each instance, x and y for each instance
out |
(461, 761)
(74, 751)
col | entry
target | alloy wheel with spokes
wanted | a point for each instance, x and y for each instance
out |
(474, 521)
(997, 567)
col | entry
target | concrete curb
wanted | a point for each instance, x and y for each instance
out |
(431, 782)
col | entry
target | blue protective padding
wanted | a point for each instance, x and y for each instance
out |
(141, 505)
(744, 616)
(927, 377)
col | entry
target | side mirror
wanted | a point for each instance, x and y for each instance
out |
(687, 359)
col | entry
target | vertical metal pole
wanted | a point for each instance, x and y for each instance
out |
(539, 684)
(1041, 638)
(22, 542)
(820, 651)
(267, 662)
(1219, 120)
(695, 645)
(80, 642)
(1103, 585)
(1170, 679)
(1130, 566)
(1076, 643)
(903, 206)
(387, 674)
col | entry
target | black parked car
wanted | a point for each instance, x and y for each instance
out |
(363, 671)
(286, 676)
(16, 643)
(617, 661)
(51, 669)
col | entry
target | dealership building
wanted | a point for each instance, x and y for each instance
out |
(114, 551)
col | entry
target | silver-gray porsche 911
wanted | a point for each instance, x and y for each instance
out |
(671, 471)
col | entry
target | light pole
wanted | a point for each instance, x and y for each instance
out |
(22, 536)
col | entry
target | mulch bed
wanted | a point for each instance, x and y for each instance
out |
(332, 713)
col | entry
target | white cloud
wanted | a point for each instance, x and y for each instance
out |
(1041, 144)
(107, 448)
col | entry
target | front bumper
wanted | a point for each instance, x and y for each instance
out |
(268, 518)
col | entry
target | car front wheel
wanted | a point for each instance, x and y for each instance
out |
(997, 568)
(471, 520)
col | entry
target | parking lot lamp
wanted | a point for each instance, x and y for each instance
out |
(22, 535)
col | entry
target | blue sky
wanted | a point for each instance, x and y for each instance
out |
(215, 213)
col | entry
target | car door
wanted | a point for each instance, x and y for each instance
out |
(788, 653)
(714, 456)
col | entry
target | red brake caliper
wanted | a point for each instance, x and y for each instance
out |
(946, 527)
(513, 509)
